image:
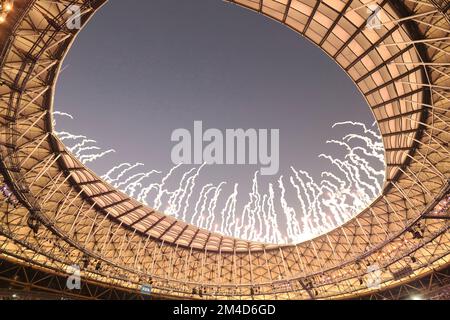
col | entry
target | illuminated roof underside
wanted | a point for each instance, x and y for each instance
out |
(401, 67)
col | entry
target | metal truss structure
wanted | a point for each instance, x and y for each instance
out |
(57, 213)
(28, 283)
(433, 286)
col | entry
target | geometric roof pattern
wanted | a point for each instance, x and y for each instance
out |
(64, 214)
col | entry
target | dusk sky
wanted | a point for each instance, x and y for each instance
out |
(142, 69)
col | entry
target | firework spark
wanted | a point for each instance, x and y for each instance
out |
(295, 208)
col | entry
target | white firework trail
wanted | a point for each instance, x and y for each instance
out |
(68, 136)
(191, 190)
(292, 227)
(122, 173)
(176, 196)
(277, 235)
(107, 176)
(201, 201)
(373, 133)
(228, 214)
(201, 218)
(92, 157)
(64, 114)
(251, 209)
(80, 146)
(277, 212)
(80, 151)
(160, 188)
(133, 186)
(212, 206)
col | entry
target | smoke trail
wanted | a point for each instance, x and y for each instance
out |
(80, 144)
(277, 212)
